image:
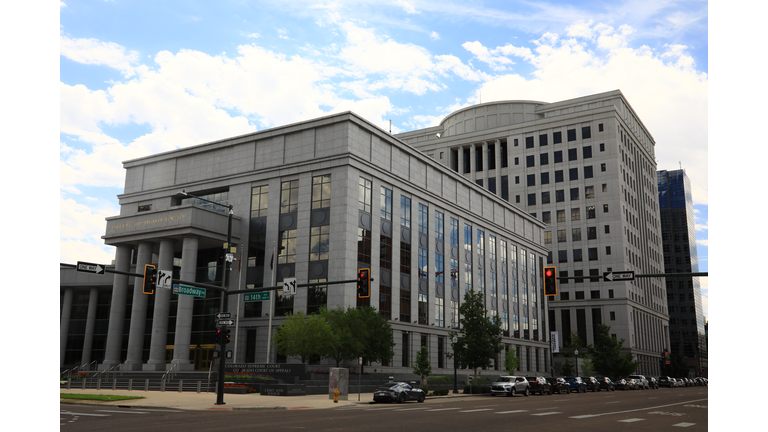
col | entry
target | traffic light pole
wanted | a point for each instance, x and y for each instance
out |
(223, 309)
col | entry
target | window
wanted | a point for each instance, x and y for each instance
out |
(405, 212)
(571, 135)
(590, 212)
(531, 180)
(591, 233)
(546, 216)
(559, 176)
(589, 192)
(504, 158)
(564, 280)
(558, 156)
(573, 174)
(613, 316)
(479, 182)
(491, 156)
(575, 214)
(600, 127)
(607, 229)
(602, 147)
(576, 234)
(319, 243)
(560, 216)
(544, 159)
(321, 191)
(547, 237)
(545, 197)
(530, 161)
(605, 208)
(610, 293)
(607, 250)
(542, 140)
(588, 172)
(364, 246)
(492, 185)
(574, 194)
(577, 255)
(289, 196)
(579, 294)
(586, 132)
(602, 167)
(478, 158)
(561, 236)
(505, 188)
(365, 195)
(386, 203)
(545, 178)
(259, 195)
(573, 154)
(515, 142)
(605, 187)
(560, 195)
(562, 257)
(592, 252)
(557, 137)
(145, 207)
(517, 160)
(532, 199)
(529, 142)
(287, 250)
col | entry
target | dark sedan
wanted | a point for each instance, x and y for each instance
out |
(606, 383)
(539, 385)
(592, 383)
(559, 386)
(398, 392)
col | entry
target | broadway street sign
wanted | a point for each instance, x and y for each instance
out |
(188, 290)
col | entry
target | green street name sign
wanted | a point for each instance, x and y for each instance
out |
(259, 296)
(188, 290)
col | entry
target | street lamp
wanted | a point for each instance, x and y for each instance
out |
(576, 354)
(225, 284)
(455, 385)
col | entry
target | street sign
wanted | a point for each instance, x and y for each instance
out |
(259, 296)
(223, 315)
(226, 322)
(91, 267)
(164, 279)
(289, 286)
(188, 290)
(619, 276)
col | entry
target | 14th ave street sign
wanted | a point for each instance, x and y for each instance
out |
(619, 276)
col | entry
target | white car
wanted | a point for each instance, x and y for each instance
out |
(510, 385)
(641, 380)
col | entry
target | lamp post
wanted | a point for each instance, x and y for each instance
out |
(455, 373)
(576, 354)
(225, 284)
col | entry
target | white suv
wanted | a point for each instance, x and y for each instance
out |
(640, 380)
(510, 385)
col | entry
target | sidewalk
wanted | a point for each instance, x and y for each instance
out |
(207, 401)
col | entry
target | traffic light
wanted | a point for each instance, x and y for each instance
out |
(226, 336)
(550, 281)
(364, 283)
(218, 336)
(150, 274)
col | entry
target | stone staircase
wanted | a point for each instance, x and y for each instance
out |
(194, 381)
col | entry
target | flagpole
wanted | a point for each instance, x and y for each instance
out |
(271, 300)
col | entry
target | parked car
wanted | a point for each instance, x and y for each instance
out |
(633, 384)
(577, 385)
(606, 384)
(539, 385)
(665, 381)
(621, 384)
(592, 384)
(559, 385)
(510, 386)
(653, 383)
(398, 392)
(641, 380)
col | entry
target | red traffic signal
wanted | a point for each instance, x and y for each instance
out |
(150, 274)
(364, 283)
(550, 281)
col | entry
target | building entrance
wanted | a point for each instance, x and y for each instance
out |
(201, 355)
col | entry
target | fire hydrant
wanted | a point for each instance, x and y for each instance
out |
(336, 395)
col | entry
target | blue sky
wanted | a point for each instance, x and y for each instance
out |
(141, 77)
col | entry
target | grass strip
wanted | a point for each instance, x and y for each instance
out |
(106, 398)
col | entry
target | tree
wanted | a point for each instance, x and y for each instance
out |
(607, 358)
(422, 367)
(302, 336)
(375, 334)
(345, 344)
(569, 350)
(567, 368)
(511, 362)
(479, 338)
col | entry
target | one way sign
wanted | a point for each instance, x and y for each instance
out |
(619, 276)
(90, 267)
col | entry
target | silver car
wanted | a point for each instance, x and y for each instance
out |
(510, 385)
(641, 380)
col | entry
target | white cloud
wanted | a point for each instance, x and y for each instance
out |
(81, 228)
(434, 36)
(95, 52)
(659, 85)
(482, 53)
(407, 6)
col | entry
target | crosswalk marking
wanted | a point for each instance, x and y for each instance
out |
(632, 420)
(683, 424)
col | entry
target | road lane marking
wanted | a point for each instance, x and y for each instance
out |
(123, 412)
(632, 420)
(476, 410)
(84, 414)
(546, 413)
(443, 409)
(511, 412)
(638, 409)
(613, 402)
(410, 409)
(683, 424)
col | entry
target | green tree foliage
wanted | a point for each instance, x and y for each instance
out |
(511, 362)
(607, 358)
(568, 368)
(376, 335)
(346, 344)
(479, 336)
(678, 367)
(422, 367)
(302, 336)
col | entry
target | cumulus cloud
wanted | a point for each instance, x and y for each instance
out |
(81, 228)
(95, 52)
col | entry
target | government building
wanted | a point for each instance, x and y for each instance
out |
(318, 200)
(586, 168)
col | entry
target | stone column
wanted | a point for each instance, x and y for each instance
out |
(160, 318)
(117, 310)
(497, 172)
(66, 311)
(461, 161)
(90, 325)
(183, 334)
(134, 360)
(472, 162)
(486, 164)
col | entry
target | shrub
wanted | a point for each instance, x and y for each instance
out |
(477, 389)
(440, 392)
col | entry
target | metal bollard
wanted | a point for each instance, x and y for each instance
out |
(181, 382)
(146, 385)
(98, 383)
(114, 383)
(130, 384)
(198, 386)
(83, 384)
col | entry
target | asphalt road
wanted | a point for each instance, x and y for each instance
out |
(632, 410)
